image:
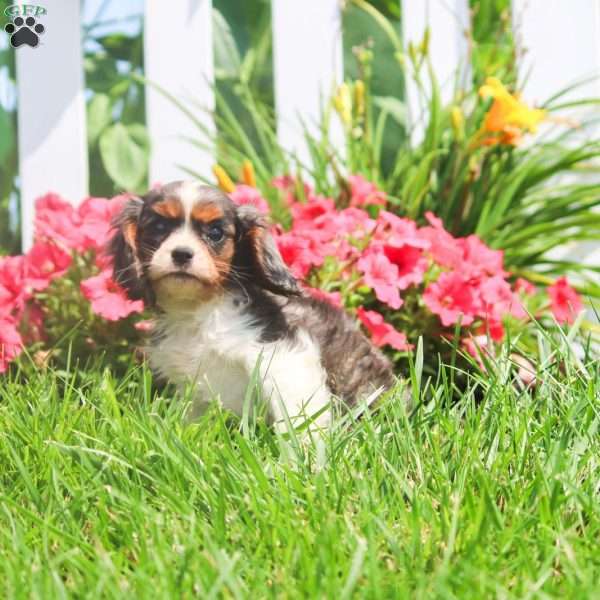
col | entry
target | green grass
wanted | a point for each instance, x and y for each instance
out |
(106, 493)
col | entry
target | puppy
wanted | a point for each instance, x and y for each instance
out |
(228, 305)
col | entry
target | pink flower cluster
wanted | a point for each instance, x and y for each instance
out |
(457, 280)
(61, 232)
(20, 278)
(360, 255)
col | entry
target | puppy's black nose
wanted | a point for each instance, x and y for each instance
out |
(182, 256)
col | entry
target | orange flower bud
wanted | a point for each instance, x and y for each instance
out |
(248, 176)
(223, 179)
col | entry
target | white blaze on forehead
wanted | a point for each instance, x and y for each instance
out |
(188, 195)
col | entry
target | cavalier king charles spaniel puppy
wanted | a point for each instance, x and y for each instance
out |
(228, 307)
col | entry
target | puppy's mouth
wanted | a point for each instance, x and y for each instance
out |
(181, 284)
(180, 289)
(180, 276)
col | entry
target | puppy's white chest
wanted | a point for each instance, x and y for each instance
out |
(212, 350)
(217, 348)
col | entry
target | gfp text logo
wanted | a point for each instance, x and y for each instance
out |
(24, 29)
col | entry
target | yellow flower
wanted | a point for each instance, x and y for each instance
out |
(458, 122)
(248, 176)
(223, 179)
(508, 117)
(342, 102)
(359, 96)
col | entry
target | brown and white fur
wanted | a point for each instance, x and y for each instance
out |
(226, 303)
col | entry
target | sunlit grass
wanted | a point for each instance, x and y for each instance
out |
(106, 492)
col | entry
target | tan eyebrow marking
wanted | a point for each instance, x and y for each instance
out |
(171, 208)
(206, 212)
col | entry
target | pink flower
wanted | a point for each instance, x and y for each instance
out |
(96, 215)
(445, 250)
(20, 276)
(44, 262)
(469, 255)
(56, 220)
(565, 303)
(410, 262)
(452, 298)
(343, 250)
(103, 260)
(381, 275)
(11, 343)
(305, 214)
(322, 231)
(493, 326)
(479, 259)
(108, 298)
(6, 302)
(245, 194)
(353, 221)
(434, 221)
(397, 231)
(498, 299)
(524, 286)
(333, 231)
(382, 333)
(283, 182)
(300, 252)
(364, 193)
(334, 298)
(14, 290)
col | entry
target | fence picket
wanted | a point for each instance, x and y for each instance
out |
(561, 45)
(51, 113)
(178, 56)
(308, 63)
(560, 42)
(448, 21)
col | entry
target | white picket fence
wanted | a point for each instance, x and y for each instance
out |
(562, 38)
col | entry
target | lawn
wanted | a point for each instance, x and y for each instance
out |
(105, 492)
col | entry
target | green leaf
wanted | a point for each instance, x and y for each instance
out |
(100, 72)
(394, 106)
(99, 115)
(227, 57)
(124, 157)
(7, 134)
(119, 89)
(120, 46)
(139, 133)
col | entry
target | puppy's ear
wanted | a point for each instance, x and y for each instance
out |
(258, 253)
(122, 249)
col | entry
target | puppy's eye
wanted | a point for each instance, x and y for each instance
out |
(215, 233)
(159, 226)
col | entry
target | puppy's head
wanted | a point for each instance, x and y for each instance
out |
(185, 243)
